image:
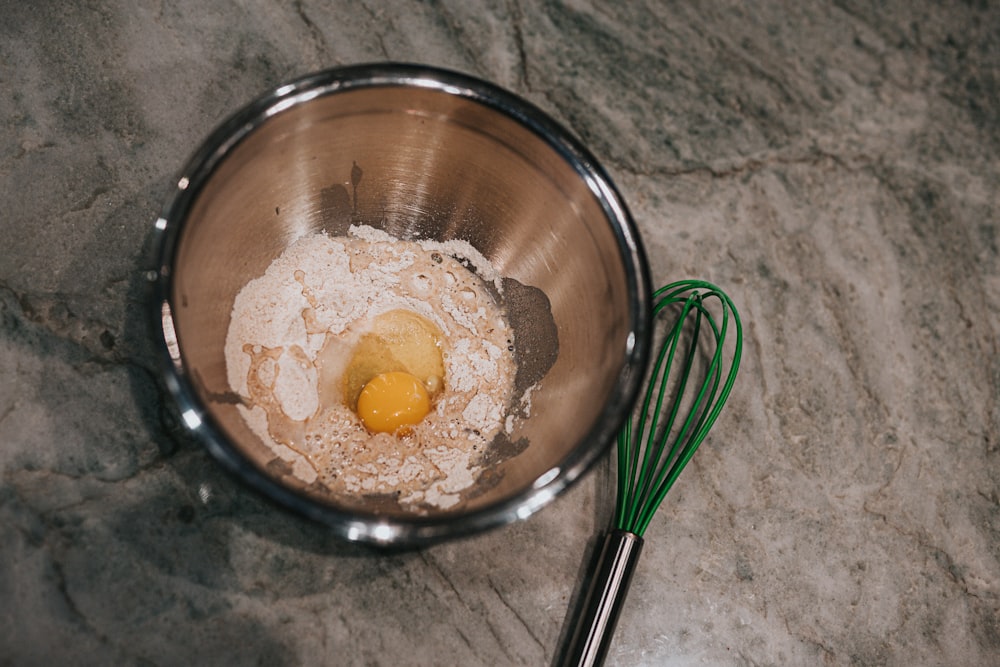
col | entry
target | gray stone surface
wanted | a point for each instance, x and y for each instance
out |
(832, 165)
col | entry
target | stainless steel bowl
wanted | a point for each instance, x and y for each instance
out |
(429, 154)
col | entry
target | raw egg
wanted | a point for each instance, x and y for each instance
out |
(398, 340)
(392, 401)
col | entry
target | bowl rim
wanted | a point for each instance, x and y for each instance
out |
(375, 529)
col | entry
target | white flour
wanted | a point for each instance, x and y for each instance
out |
(293, 329)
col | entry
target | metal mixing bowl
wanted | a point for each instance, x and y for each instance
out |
(423, 154)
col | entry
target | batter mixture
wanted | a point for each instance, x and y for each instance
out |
(375, 365)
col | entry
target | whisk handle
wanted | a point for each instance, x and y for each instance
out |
(595, 624)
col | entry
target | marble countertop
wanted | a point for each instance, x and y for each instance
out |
(832, 165)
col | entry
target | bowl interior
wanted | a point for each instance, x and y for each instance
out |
(421, 163)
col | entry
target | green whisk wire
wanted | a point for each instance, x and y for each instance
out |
(652, 448)
(684, 396)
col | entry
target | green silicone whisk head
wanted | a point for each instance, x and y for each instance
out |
(683, 398)
(690, 380)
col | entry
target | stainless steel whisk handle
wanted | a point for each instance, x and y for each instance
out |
(595, 624)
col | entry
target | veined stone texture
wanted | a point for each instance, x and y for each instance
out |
(832, 165)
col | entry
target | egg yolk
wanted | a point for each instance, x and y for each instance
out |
(391, 401)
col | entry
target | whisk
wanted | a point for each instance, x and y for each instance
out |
(684, 396)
